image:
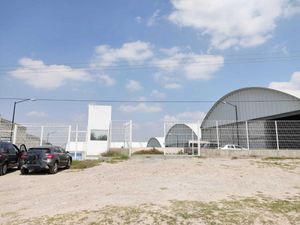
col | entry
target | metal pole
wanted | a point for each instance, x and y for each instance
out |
(199, 136)
(13, 121)
(217, 129)
(42, 134)
(76, 138)
(130, 138)
(15, 134)
(164, 138)
(247, 135)
(69, 133)
(237, 124)
(277, 139)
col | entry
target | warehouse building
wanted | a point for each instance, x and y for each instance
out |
(156, 142)
(254, 118)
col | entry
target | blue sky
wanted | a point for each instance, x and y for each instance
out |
(142, 50)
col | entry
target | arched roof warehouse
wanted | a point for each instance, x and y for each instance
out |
(253, 103)
(259, 107)
(179, 135)
(156, 142)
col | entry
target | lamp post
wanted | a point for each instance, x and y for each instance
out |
(236, 119)
(14, 112)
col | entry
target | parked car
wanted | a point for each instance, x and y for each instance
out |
(49, 158)
(232, 147)
(11, 156)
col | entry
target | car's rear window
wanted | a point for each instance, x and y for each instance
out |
(39, 150)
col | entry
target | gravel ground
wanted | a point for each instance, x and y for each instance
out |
(145, 181)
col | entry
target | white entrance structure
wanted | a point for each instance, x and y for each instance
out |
(99, 119)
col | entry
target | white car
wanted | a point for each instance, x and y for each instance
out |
(232, 147)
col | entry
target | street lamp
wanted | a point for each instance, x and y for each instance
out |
(236, 119)
(14, 112)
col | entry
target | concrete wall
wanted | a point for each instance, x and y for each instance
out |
(250, 153)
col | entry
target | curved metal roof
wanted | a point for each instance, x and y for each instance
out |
(156, 142)
(251, 103)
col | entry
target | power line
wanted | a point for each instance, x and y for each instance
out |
(162, 65)
(147, 101)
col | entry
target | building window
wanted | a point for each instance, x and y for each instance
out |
(99, 135)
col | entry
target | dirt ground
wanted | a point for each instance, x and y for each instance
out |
(151, 190)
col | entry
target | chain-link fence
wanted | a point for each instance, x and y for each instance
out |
(74, 138)
(120, 135)
(188, 137)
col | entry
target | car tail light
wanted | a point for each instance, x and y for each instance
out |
(22, 156)
(49, 156)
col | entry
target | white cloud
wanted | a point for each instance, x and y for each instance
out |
(193, 66)
(173, 86)
(292, 86)
(138, 19)
(168, 80)
(39, 75)
(153, 19)
(107, 80)
(37, 114)
(131, 52)
(233, 23)
(133, 85)
(141, 108)
(157, 94)
(187, 116)
(202, 67)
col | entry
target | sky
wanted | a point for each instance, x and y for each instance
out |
(150, 50)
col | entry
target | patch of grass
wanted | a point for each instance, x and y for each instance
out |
(281, 158)
(153, 151)
(115, 156)
(290, 163)
(246, 211)
(84, 164)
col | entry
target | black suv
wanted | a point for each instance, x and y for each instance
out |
(11, 156)
(49, 158)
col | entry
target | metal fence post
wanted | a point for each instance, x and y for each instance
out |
(217, 130)
(164, 140)
(130, 137)
(69, 134)
(276, 131)
(42, 134)
(247, 136)
(199, 136)
(15, 134)
(76, 137)
(110, 136)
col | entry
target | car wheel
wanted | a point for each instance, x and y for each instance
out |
(53, 169)
(3, 169)
(69, 164)
(24, 171)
